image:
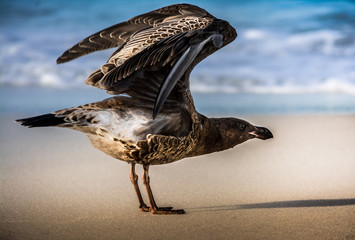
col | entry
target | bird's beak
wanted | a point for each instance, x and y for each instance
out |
(261, 133)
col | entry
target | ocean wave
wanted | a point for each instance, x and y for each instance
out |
(329, 86)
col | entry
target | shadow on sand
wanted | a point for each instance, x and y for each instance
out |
(283, 204)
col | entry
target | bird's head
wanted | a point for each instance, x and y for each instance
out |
(242, 130)
(234, 131)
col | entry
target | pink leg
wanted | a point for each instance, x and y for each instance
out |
(134, 180)
(153, 206)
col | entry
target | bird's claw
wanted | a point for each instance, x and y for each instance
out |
(167, 210)
(161, 210)
(144, 208)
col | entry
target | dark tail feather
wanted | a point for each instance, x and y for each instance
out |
(45, 120)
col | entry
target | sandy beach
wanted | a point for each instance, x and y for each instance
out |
(291, 69)
(299, 185)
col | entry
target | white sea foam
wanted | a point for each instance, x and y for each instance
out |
(254, 34)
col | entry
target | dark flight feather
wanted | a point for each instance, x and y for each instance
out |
(45, 120)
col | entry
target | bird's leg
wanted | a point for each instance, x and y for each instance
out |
(153, 206)
(134, 179)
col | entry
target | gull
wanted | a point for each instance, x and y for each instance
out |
(151, 118)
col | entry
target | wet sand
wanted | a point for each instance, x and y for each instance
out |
(300, 185)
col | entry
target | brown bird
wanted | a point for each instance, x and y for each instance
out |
(152, 119)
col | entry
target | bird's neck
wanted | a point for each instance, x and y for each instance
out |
(216, 135)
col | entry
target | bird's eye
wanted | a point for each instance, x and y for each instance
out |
(242, 127)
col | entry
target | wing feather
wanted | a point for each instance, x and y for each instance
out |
(160, 53)
(178, 70)
(118, 34)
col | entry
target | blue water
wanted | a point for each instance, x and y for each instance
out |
(302, 48)
(25, 101)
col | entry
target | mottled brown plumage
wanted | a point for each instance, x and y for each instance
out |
(152, 119)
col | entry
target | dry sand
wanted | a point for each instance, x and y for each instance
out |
(300, 185)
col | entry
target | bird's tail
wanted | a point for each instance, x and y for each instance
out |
(45, 120)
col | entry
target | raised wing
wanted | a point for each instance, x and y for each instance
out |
(154, 62)
(117, 35)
